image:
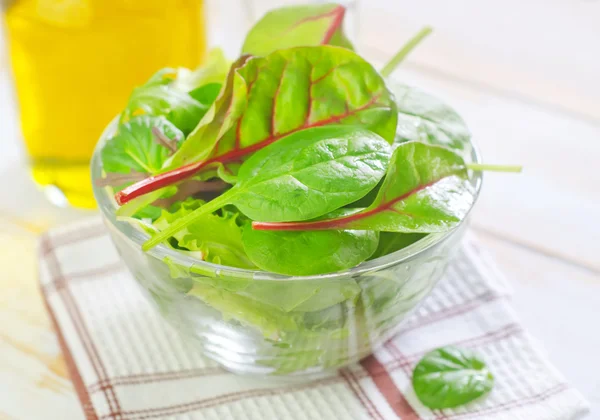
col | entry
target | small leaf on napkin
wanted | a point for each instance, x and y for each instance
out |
(448, 377)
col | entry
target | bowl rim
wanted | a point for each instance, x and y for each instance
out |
(137, 237)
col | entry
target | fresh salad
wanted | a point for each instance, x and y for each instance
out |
(298, 158)
(292, 159)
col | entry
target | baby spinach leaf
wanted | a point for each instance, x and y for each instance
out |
(449, 377)
(425, 118)
(426, 189)
(217, 237)
(309, 252)
(268, 98)
(311, 173)
(296, 26)
(303, 176)
(134, 146)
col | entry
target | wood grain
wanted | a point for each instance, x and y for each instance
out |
(32, 369)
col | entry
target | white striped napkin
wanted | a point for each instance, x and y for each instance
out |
(126, 363)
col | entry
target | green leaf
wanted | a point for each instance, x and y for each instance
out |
(219, 118)
(265, 99)
(134, 146)
(270, 321)
(217, 237)
(303, 176)
(449, 377)
(212, 71)
(296, 26)
(288, 91)
(309, 252)
(391, 242)
(426, 189)
(422, 117)
(148, 212)
(301, 295)
(310, 173)
(177, 106)
(166, 93)
(206, 94)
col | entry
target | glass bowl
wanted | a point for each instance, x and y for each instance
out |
(256, 322)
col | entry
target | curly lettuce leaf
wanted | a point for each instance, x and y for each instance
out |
(272, 323)
(217, 236)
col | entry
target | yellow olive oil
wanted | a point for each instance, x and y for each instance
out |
(75, 62)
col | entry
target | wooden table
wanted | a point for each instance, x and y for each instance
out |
(524, 74)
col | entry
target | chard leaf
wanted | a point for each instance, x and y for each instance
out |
(303, 176)
(422, 117)
(220, 117)
(296, 26)
(426, 189)
(265, 99)
(134, 146)
(217, 237)
(449, 377)
(291, 90)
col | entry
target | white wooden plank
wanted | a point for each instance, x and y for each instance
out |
(538, 49)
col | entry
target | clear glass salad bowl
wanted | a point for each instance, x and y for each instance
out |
(264, 323)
